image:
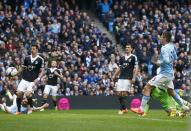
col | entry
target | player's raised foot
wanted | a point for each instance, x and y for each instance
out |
(137, 111)
(18, 113)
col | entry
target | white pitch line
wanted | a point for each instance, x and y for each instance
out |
(155, 119)
(141, 118)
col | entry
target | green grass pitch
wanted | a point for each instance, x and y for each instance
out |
(91, 120)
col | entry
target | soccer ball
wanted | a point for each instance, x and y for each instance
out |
(11, 71)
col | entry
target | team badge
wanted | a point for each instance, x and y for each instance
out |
(30, 67)
(51, 76)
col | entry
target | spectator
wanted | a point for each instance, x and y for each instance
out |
(105, 7)
(142, 23)
(85, 55)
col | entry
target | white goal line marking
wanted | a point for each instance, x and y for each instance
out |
(156, 119)
(139, 117)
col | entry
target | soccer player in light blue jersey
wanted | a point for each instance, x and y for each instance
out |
(13, 108)
(165, 76)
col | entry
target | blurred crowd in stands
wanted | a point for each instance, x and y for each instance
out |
(62, 33)
(141, 22)
(86, 57)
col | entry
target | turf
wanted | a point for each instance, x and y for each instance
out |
(91, 120)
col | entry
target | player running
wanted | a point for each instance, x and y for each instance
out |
(32, 71)
(128, 68)
(166, 75)
(51, 87)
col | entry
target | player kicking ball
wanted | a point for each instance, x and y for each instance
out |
(32, 71)
(166, 74)
(51, 87)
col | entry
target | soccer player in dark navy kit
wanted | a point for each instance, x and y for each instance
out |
(32, 71)
(51, 87)
(127, 71)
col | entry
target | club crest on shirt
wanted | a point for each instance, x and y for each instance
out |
(129, 60)
(30, 67)
(50, 75)
(125, 65)
(36, 62)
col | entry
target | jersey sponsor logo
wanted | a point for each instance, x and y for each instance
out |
(129, 60)
(125, 65)
(36, 62)
(50, 75)
(30, 67)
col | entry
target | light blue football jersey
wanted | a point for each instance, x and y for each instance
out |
(167, 57)
(13, 107)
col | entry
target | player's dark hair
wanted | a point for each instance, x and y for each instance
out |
(128, 44)
(167, 35)
(34, 45)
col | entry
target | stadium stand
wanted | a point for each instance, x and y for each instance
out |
(141, 23)
(86, 57)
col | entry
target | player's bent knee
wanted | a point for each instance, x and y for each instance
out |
(170, 92)
(147, 90)
(148, 86)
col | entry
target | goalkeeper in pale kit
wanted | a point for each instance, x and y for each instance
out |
(168, 103)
